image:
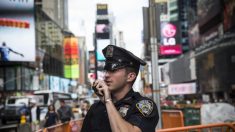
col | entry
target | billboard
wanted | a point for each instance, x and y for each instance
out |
(64, 85)
(102, 29)
(101, 44)
(102, 9)
(17, 30)
(92, 60)
(54, 83)
(170, 39)
(71, 66)
(183, 88)
(170, 50)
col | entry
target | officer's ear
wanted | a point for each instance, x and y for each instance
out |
(131, 76)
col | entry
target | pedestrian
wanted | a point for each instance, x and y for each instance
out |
(120, 108)
(65, 112)
(51, 117)
(85, 106)
(34, 115)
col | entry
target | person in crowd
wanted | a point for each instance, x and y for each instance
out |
(51, 117)
(85, 107)
(120, 109)
(34, 115)
(65, 112)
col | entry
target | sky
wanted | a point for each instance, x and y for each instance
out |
(128, 18)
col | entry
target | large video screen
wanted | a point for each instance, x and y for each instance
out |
(170, 34)
(102, 31)
(102, 28)
(101, 44)
(17, 30)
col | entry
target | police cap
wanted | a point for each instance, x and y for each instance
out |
(117, 57)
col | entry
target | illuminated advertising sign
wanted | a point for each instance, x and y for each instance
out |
(17, 30)
(91, 61)
(102, 9)
(101, 44)
(102, 29)
(169, 45)
(183, 88)
(64, 85)
(54, 83)
(169, 50)
(71, 66)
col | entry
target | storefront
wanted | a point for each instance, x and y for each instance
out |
(216, 71)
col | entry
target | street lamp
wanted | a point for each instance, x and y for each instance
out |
(154, 59)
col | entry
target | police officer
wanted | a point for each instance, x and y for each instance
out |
(120, 108)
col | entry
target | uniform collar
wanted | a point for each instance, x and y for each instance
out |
(127, 97)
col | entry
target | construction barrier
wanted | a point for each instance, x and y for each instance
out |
(221, 127)
(72, 126)
(172, 118)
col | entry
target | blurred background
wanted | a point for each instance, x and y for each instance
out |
(51, 49)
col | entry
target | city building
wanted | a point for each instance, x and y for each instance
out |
(44, 69)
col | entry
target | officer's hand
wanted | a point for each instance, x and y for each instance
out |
(101, 89)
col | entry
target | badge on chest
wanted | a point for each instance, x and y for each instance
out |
(123, 110)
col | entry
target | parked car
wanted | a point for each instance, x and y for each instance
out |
(14, 107)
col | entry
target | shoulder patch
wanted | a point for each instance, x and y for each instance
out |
(145, 107)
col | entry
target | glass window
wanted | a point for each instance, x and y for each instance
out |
(10, 82)
(27, 79)
(1, 79)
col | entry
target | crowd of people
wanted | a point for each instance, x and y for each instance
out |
(62, 115)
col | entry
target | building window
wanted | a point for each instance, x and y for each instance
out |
(1, 79)
(10, 82)
(27, 79)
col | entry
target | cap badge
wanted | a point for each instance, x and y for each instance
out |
(109, 52)
(145, 107)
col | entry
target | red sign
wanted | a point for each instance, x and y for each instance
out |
(169, 30)
(14, 23)
(170, 50)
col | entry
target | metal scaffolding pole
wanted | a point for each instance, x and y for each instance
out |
(154, 59)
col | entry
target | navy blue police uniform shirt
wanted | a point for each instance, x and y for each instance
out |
(135, 109)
